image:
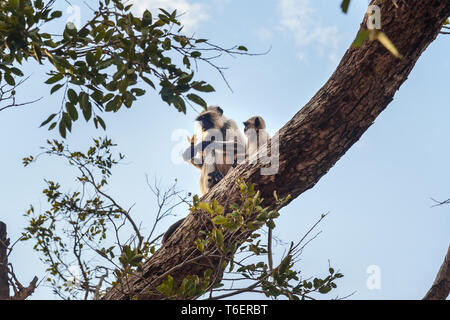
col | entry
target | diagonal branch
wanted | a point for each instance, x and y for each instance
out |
(4, 244)
(441, 285)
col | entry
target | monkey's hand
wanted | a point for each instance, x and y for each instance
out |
(189, 153)
(214, 178)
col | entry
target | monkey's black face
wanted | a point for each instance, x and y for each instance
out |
(257, 123)
(206, 121)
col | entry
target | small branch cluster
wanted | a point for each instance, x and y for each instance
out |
(8, 277)
(86, 238)
(20, 292)
(8, 95)
(235, 244)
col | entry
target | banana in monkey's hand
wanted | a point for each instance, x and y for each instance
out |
(190, 152)
(192, 139)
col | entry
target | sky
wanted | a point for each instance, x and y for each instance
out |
(382, 231)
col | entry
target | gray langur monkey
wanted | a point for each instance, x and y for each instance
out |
(222, 146)
(257, 136)
(257, 140)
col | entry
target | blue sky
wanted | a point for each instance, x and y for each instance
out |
(378, 194)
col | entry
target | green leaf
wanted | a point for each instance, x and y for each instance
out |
(73, 96)
(166, 287)
(56, 14)
(219, 220)
(148, 81)
(17, 72)
(360, 38)
(146, 18)
(68, 121)
(39, 4)
(62, 129)
(198, 100)
(110, 106)
(87, 112)
(138, 92)
(48, 120)
(56, 88)
(344, 5)
(84, 100)
(52, 126)
(72, 111)
(14, 4)
(102, 123)
(325, 289)
(9, 79)
(90, 58)
(219, 239)
(196, 54)
(107, 97)
(202, 86)
(178, 102)
(186, 62)
(55, 78)
(242, 48)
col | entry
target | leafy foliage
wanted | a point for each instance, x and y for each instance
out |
(84, 230)
(233, 235)
(344, 5)
(108, 62)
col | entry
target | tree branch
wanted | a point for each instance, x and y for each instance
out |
(4, 243)
(441, 285)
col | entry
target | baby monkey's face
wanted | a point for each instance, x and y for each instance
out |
(255, 123)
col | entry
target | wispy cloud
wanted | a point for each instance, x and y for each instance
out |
(263, 33)
(193, 13)
(300, 19)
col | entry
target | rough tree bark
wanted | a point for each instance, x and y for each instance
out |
(441, 285)
(362, 86)
(4, 243)
(7, 275)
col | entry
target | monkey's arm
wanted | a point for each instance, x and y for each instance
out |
(190, 153)
(235, 149)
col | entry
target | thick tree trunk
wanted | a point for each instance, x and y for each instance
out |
(4, 243)
(441, 285)
(362, 86)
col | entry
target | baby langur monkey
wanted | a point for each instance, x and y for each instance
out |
(257, 137)
(257, 140)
